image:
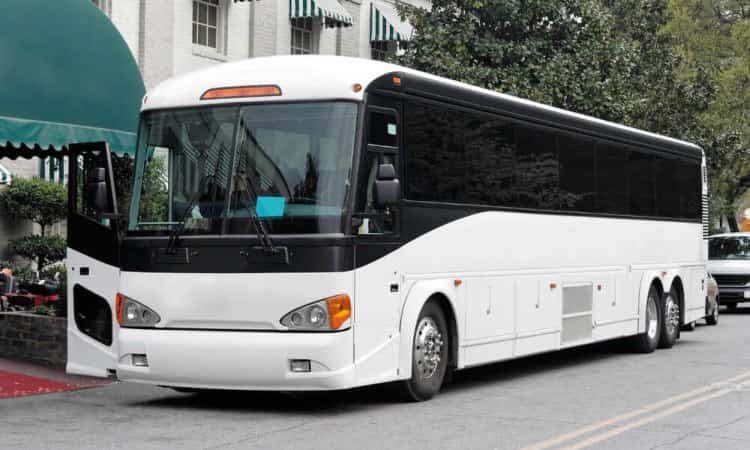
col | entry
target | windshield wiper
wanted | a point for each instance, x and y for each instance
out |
(174, 235)
(260, 229)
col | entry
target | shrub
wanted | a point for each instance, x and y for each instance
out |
(41, 310)
(45, 249)
(34, 199)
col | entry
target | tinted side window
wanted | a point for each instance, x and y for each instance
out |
(611, 179)
(537, 171)
(667, 195)
(491, 160)
(382, 129)
(577, 188)
(642, 180)
(688, 184)
(436, 166)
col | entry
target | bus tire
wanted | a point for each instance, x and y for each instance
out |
(430, 355)
(647, 341)
(670, 316)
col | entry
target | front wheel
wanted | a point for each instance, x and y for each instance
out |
(646, 342)
(429, 355)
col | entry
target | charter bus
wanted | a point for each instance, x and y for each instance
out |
(323, 223)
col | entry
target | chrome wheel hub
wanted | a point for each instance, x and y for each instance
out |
(428, 345)
(653, 318)
(671, 315)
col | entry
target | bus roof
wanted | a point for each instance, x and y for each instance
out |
(321, 77)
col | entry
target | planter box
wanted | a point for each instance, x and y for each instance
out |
(34, 338)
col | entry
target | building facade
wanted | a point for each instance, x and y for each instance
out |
(171, 37)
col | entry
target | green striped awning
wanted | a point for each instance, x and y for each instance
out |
(64, 84)
(386, 24)
(329, 10)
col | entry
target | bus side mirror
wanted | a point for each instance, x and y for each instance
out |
(387, 187)
(96, 190)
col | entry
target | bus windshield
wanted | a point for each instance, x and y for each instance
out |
(729, 248)
(209, 170)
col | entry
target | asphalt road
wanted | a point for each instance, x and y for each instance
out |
(693, 396)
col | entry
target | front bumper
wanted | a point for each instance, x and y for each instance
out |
(237, 359)
(733, 294)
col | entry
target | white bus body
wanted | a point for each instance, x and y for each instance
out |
(510, 281)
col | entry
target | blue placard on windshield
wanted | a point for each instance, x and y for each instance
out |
(270, 206)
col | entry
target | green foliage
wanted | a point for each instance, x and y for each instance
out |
(562, 53)
(155, 195)
(45, 249)
(41, 310)
(37, 200)
(713, 39)
(676, 67)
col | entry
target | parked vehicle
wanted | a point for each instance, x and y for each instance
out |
(729, 264)
(325, 223)
(712, 305)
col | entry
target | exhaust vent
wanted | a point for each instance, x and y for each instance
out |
(577, 316)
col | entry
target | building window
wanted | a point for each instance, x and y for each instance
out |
(206, 23)
(104, 5)
(379, 50)
(302, 37)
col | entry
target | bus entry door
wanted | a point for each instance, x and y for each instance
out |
(92, 261)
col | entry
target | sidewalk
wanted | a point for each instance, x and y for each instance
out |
(21, 378)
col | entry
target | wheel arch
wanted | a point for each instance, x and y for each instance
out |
(444, 293)
(649, 279)
(450, 318)
(680, 290)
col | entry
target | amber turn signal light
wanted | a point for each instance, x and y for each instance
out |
(339, 310)
(241, 91)
(118, 307)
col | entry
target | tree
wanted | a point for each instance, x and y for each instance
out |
(675, 67)
(562, 53)
(46, 249)
(40, 201)
(713, 39)
(44, 203)
(155, 195)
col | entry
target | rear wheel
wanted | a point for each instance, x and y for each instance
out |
(670, 320)
(429, 355)
(647, 341)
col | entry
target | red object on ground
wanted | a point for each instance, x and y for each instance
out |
(17, 384)
(19, 378)
(37, 300)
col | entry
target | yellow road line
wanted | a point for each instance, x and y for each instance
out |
(646, 420)
(559, 440)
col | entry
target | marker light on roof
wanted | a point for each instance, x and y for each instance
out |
(241, 91)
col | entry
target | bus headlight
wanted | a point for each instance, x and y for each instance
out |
(329, 314)
(131, 313)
